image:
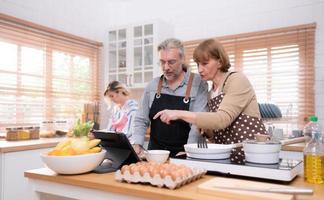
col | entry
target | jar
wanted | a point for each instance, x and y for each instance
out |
(11, 134)
(47, 126)
(23, 134)
(17, 133)
(47, 129)
(34, 132)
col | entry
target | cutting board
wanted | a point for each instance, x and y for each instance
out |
(210, 187)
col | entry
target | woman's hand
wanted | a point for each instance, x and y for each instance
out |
(167, 116)
(201, 131)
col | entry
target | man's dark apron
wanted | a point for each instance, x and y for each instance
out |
(242, 128)
(171, 136)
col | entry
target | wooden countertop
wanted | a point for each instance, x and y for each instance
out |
(106, 182)
(13, 146)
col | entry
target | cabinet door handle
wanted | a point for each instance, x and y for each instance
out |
(129, 80)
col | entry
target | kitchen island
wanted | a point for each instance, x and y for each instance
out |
(15, 158)
(104, 186)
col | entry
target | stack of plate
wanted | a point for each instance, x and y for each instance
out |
(214, 151)
(269, 110)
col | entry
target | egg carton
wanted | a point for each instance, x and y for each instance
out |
(157, 180)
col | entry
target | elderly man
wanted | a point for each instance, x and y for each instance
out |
(176, 89)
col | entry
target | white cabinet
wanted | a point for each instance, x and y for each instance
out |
(14, 185)
(16, 157)
(132, 52)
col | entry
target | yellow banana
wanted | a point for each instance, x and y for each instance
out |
(62, 144)
(93, 143)
(94, 150)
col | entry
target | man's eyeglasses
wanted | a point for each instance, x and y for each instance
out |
(170, 62)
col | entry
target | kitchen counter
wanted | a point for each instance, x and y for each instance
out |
(22, 145)
(103, 186)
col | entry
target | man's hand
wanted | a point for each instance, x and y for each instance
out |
(137, 148)
(139, 151)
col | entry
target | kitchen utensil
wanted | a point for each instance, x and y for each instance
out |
(202, 143)
(293, 140)
(253, 146)
(261, 137)
(297, 133)
(213, 187)
(276, 110)
(261, 152)
(277, 134)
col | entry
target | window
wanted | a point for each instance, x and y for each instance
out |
(280, 65)
(44, 74)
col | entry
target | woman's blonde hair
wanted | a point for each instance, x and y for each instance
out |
(116, 86)
(212, 49)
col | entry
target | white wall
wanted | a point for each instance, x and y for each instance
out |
(191, 19)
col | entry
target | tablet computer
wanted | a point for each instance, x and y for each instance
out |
(119, 150)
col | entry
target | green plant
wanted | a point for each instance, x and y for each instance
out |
(82, 129)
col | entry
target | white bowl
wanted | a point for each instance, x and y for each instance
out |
(75, 164)
(157, 156)
(262, 158)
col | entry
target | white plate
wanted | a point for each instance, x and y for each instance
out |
(213, 156)
(212, 148)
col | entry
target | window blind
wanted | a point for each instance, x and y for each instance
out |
(280, 65)
(45, 74)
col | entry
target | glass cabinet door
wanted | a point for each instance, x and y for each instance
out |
(118, 55)
(132, 54)
(142, 54)
(112, 51)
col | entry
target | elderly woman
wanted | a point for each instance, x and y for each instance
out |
(124, 109)
(234, 113)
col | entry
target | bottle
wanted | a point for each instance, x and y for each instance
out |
(314, 156)
(311, 126)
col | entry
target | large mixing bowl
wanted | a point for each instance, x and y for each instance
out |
(75, 164)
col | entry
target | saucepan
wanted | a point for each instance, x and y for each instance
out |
(266, 152)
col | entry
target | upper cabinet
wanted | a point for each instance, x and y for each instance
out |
(133, 52)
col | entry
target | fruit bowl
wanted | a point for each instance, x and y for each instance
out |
(74, 164)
